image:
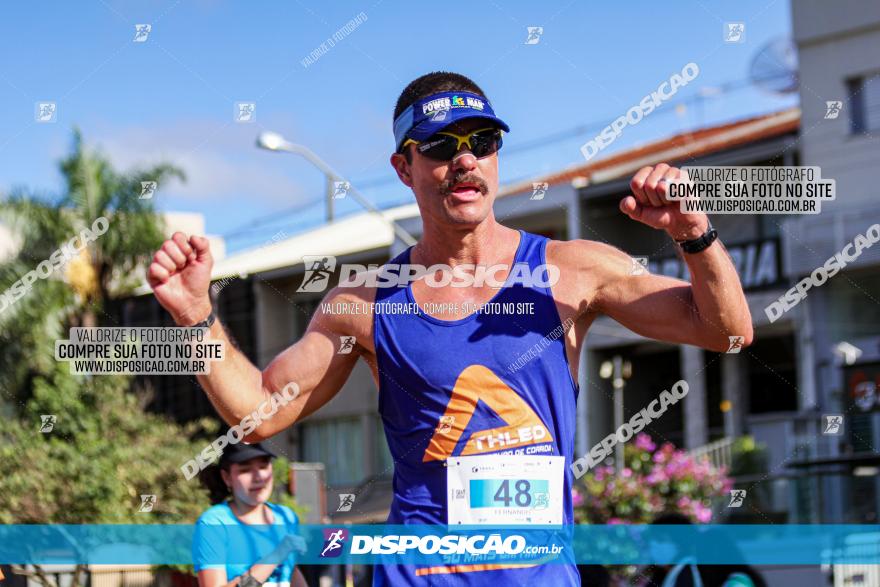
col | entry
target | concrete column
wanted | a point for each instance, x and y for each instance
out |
(573, 220)
(275, 322)
(600, 401)
(696, 432)
(805, 352)
(368, 431)
(573, 231)
(582, 430)
(735, 390)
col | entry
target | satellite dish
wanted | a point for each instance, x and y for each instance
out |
(774, 67)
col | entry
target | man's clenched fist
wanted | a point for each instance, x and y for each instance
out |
(649, 205)
(180, 276)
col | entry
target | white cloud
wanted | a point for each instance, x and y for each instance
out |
(220, 162)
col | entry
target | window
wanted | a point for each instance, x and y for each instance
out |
(305, 309)
(864, 103)
(772, 375)
(339, 445)
(383, 465)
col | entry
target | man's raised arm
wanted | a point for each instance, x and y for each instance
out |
(705, 313)
(310, 371)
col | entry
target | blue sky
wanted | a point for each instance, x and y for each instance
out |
(172, 97)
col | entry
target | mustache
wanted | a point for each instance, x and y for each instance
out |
(447, 184)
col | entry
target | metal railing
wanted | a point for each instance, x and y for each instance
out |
(718, 452)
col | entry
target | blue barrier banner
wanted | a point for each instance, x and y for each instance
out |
(439, 545)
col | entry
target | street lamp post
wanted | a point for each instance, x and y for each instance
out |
(617, 370)
(272, 141)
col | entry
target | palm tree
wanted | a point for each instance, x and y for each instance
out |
(75, 295)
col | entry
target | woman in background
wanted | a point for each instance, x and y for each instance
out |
(237, 555)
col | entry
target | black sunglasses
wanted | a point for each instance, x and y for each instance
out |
(443, 145)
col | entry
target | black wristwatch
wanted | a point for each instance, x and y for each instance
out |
(700, 243)
(206, 323)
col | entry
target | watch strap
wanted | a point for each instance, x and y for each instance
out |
(207, 322)
(700, 243)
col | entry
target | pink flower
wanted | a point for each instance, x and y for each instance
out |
(576, 498)
(704, 514)
(643, 441)
(626, 473)
(656, 476)
(614, 521)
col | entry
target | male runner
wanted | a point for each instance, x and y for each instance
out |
(450, 403)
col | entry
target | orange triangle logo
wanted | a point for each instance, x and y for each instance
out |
(474, 384)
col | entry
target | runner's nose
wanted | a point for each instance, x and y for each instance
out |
(464, 160)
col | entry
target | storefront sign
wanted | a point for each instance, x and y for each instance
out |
(757, 264)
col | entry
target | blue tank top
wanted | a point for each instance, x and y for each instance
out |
(443, 384)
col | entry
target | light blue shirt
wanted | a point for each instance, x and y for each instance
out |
(252, 542)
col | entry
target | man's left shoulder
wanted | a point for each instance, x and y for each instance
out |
(582, 255)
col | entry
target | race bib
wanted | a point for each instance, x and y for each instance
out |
(502, 490)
